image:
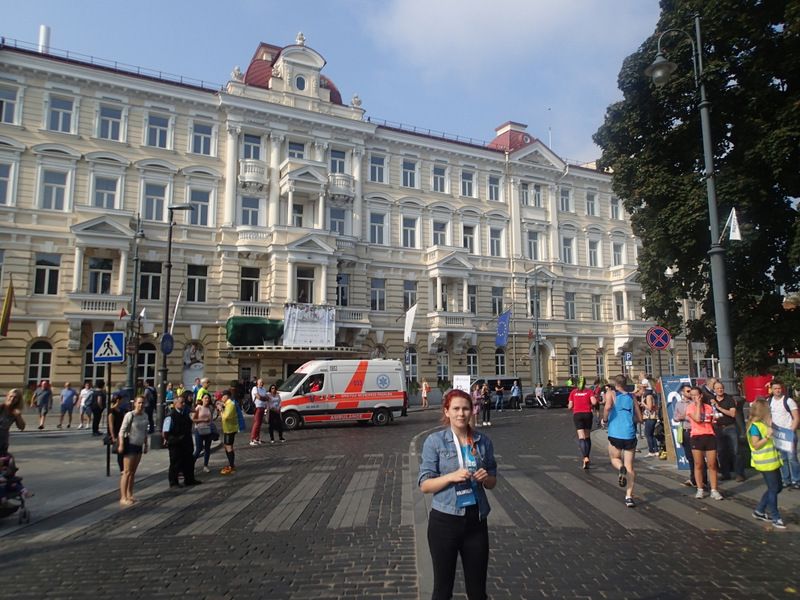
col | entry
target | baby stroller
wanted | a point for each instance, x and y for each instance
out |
(12, 492)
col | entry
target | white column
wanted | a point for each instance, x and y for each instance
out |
(321, 210)
(231, 165)
(319, 151)
(123, 272)
(465, 295)
(77, 270)
(276, 139)
(287, 215)
(516, 222)
(439, 293)
(358, 156)
(554, 237)
(323, 296)
(290, 282)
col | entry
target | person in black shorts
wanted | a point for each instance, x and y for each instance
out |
(621, 413)
(581, 401)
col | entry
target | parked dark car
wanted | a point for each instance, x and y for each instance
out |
(558, 398)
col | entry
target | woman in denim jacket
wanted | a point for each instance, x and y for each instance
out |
(458, 466)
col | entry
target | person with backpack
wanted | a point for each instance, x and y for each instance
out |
(650, 413)
(785, 416)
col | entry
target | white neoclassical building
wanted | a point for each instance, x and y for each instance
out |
(296, 196)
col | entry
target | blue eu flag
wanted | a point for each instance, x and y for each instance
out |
(501, 337)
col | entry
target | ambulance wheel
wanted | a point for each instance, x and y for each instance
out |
(291, 420)
(381, 417)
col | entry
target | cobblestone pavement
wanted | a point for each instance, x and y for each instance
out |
(335, 513)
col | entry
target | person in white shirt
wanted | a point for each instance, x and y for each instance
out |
(785, 415)
(259, 395)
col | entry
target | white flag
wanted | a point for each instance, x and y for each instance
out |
(175, 312)
(736, 233)
(410, 314)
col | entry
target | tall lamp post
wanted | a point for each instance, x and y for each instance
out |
(165, 350)
(660, 71)
(536, 310)
(133, 346)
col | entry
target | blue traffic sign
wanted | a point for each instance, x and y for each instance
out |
(108, 346)
(658, 338)
(167, 344)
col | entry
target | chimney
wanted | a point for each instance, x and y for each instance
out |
(44, 39)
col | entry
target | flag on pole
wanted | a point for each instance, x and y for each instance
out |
(175, 312)
(410, 314)
(501, 337)
(143, 318)
(122, 314)
(736, 233)
(6, 315)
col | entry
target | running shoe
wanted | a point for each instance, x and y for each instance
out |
(700, 494)
(630, 503)
(228, 470)
(715, 495)
(687, 483)
(623, 476)
(585, 462)
(761, 516)
(779, 524)
(253, 443)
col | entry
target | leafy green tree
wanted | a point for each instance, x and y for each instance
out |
(652, 142)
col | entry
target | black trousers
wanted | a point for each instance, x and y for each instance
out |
(181, 460)
(97, 415)
(450, 536)
(275, 424)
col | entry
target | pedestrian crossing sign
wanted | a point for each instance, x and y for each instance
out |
(107, 347)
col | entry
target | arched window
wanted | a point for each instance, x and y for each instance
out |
(442, 365)
(413, 364)
(500, 362)
(573, 364)
(472, 362)
(147, 363)
(40, 360)
(92, 371)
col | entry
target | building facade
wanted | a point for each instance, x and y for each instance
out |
(296, 196)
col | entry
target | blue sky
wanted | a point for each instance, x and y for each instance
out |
(463, 67)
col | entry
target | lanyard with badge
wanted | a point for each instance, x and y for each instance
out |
(465, 493)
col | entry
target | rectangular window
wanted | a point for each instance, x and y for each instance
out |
(110, 123)
(5, 184)
(296, 150)
(8, 104)
(409, 294)
(409, 174)
(524, 194)
(343, 289)
(250, 211)
(494, 188)
(249, 284)
(614, 208)
(497, 301)
(594, 253)
(439, 233)
(150, 281)
(305, 285)
(617, 254)
(567, 254)
(569, 305)
(46, 278)
(60, 117)
(596, 308)
(439, 179)
(591, 205)
(495, 242)
(201, 138)
(157, 131)
(472, 299)
(619, 306)
(467, 179)
(337, 161)
(337, 217)
(409, 232)
(537, 196)
(154, 200)
(297, 215)
(201, 200)
(534, 303)
(533, 245)
(196, 283)
(565, 200)
(54, 190)
(377, 166)
(105, 192)
(100, 275)
(376, 228)
(692, 310)
(377, 294)
(252, 147)
(468, 237)
(600, 364)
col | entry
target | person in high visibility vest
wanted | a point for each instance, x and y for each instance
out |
(765, 458)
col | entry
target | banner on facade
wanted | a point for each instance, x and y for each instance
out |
(671, 392)
(411, 313)
(309, 325)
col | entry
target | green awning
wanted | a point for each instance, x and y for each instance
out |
(252, 331)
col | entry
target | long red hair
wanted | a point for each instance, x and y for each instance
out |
(446, 401)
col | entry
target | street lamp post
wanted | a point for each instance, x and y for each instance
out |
(660, 71)
(163, 371)
(130, 382)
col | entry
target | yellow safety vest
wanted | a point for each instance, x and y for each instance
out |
(767, 458)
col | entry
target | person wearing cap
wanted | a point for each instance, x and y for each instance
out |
(230, 427)
(581, 401)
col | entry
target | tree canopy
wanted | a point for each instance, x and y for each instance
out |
(652, 141)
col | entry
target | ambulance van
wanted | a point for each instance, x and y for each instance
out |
(324, 391)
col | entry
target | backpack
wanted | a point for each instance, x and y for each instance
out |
(150, 396)
(785, 403)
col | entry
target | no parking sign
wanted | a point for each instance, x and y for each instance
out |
(658, 338)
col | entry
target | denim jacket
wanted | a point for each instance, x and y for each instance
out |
(439, 457)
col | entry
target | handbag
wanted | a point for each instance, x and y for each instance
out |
(203, 430)
(214, 432)
(108, 440)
